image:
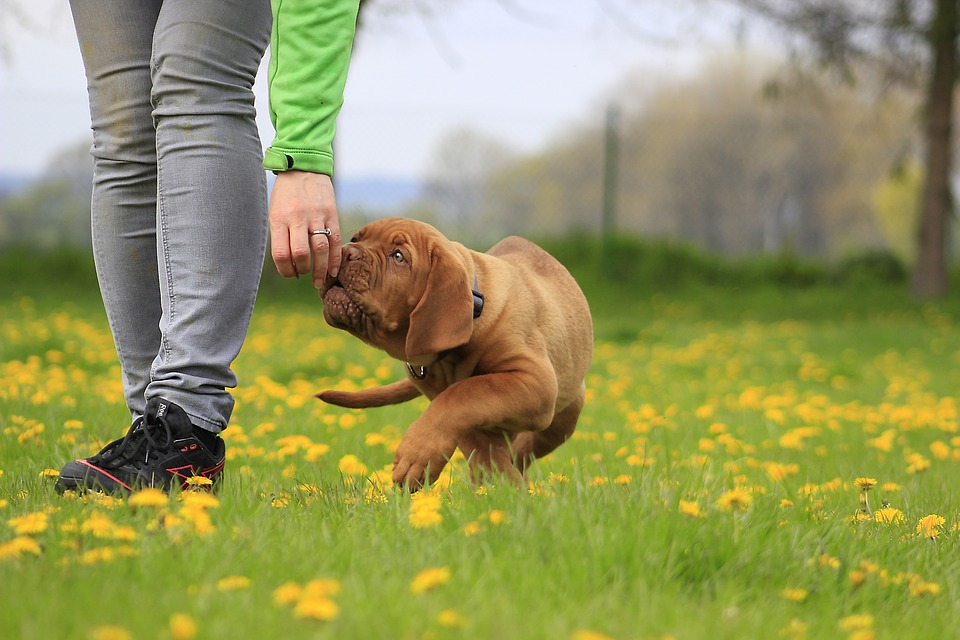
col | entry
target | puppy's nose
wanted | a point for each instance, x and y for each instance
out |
(351, 252)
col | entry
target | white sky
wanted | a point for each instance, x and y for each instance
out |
(520, 70)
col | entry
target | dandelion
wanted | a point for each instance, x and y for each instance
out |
(182, 627)
(287, 593)
(497, 517)
(856, 622)
(865, 484)
(198, 482)
(918, 588)
(29, 524)
(929, 526)
(233, 583)
(471, 529)
(19, 546)
(199, 500)
(796, 595)
(736, 499)
(429, 579)
(50, 473)
(98, 524)
(451, 618)
(888, 515)
(423, 518)
(589, 634)
(318, 608)
(110, 632)
(149, 498)
(690, 508)
(350, 465)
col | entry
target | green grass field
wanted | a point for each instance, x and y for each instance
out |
(711, 490)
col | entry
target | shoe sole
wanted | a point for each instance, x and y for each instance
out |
(80, 475)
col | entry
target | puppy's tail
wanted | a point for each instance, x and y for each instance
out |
(395, 393)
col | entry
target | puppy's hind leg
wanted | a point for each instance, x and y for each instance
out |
(530, 445)
(489, 453)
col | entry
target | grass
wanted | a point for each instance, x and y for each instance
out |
(709, 491)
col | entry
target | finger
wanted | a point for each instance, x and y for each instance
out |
(280, 251)
(335, 255)
(301, 250)
(320, 245)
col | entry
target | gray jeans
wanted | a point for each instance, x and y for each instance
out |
(179, 193)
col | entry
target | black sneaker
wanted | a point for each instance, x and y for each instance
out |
(160, 450)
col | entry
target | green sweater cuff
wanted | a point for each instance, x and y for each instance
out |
(280, 159)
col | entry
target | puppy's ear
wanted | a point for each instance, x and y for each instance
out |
(443, 319)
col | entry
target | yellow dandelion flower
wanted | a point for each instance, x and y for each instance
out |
(599, 481)
(736, 499)
(451, 618)
(150, 497)
(423, 518)
(920, 588)
(857, 577)
(98, 524)
(199, 500)
(182, 627)
(50, 473)
(795, 595)
(199, 482)
(110, 632)
(888, 515)
(350, 465)
(287, 593)
(865, 484)
(623, 479)
(690, 508)
(856, 622)
(890, 486)
(429, 579)
(321, 588)
(929, 526)
(318, 608)
(29, 524)
(233, 583)
(73, 424)
(19, 546)
(497, 516)
(96, 555)
(589, 634)
(471, 529)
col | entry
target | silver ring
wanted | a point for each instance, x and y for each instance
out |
(321, 232)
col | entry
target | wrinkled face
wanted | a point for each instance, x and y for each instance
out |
(378, 284)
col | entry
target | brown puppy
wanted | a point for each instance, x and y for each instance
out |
(500, 343)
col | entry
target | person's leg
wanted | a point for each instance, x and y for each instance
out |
(115, 38)
(212, 198)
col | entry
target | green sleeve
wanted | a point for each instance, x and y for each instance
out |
(309, 55)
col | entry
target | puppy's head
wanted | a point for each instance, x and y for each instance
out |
(404, 288)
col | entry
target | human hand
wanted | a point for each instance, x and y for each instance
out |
(302, 202)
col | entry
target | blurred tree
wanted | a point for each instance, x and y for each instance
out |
(55, 209)
(721, 161)
(913, 41)
(457, 173)
(896, 202)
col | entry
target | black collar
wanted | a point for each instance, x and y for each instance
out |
(477, 298)
(419, 373)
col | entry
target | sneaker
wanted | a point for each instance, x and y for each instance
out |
(160, 450)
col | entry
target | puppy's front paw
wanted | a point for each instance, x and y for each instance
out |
(420, 460)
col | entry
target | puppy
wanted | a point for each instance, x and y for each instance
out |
(499, 342)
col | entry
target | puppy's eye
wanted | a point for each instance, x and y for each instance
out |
(397, 255)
